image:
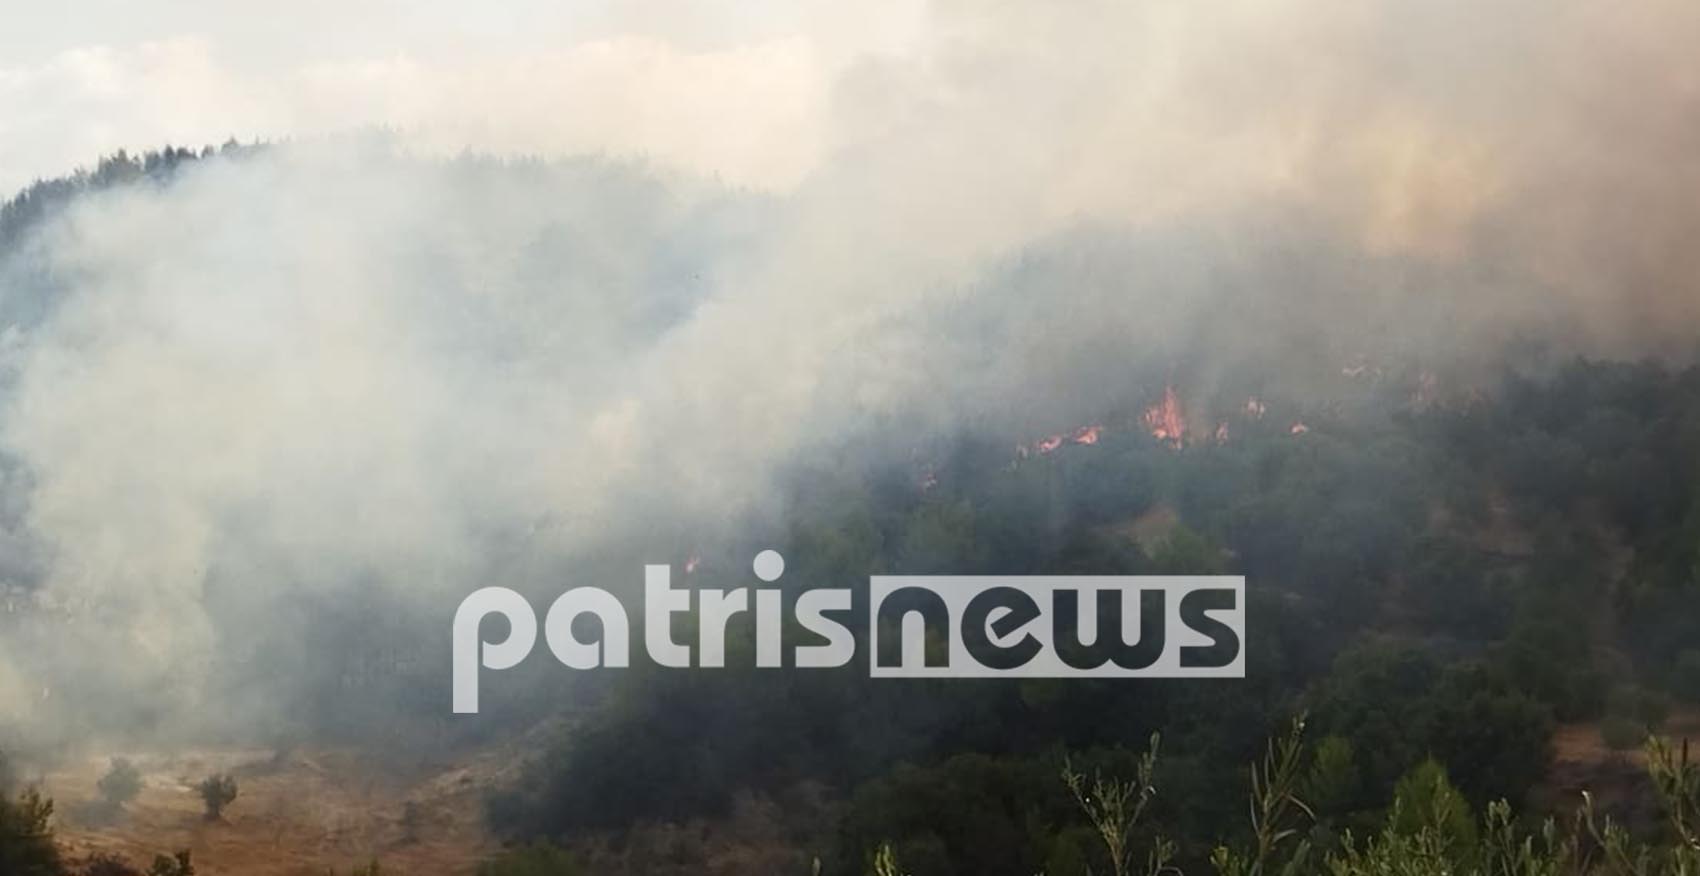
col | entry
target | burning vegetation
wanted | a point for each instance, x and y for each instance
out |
(1165, 420)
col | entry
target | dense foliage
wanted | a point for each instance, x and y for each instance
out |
(1440, 571)
(1436, 583)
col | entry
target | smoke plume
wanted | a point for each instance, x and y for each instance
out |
(350, 368)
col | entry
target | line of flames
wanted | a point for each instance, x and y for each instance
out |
(1165, 421)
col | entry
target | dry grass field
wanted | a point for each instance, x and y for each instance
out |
(303, 813)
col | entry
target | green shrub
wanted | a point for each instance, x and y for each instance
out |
(217, 791)
(1425, 801)
(172, 865)
(121, 783)
(26, 837)
(536, 859)
(1333, 781)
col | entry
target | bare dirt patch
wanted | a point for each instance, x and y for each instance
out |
(301, 813)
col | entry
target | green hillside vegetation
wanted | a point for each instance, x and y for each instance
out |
(1437, 580)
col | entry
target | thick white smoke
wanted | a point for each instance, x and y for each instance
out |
(335, 364)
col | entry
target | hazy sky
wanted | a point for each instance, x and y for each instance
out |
(736, 90)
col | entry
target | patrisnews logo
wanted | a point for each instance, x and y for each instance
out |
(1058, 626)
(917, 626)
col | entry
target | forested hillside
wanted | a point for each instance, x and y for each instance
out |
(1440, 577)
(1444, 567)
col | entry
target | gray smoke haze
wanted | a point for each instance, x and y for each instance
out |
(348, 366)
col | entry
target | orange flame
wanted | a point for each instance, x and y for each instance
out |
(1086, 435)
(1165, 419)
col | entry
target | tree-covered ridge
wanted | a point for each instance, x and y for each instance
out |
(1438, 578)
(41, 199)
(1440, 582)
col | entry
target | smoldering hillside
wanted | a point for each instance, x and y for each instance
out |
(283, 406)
